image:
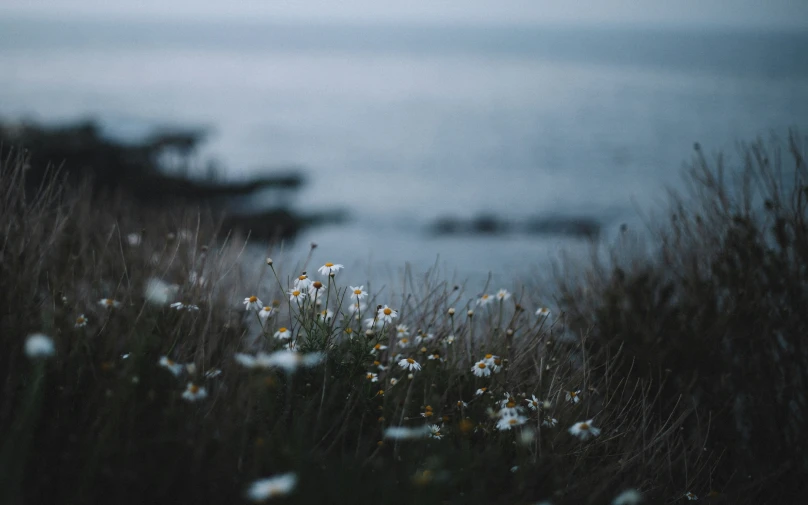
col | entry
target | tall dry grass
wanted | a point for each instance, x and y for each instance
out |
(661, 351)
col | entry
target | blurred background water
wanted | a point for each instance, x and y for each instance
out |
(404, 123)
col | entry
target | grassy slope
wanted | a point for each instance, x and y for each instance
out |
(688, 358)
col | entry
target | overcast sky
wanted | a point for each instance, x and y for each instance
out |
(750, 13)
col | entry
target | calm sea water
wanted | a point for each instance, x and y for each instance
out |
(403, 124)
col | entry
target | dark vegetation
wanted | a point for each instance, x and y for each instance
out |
(717, 315)
(690, 358)
(138, 169)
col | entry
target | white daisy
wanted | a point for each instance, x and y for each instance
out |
(330, 268)
(386, 314)
(393, 381)
(358, 293)
(584, 430)
(481, 369)
(303, 282)
(296, 295)
(272, 487)
(409, 364)
(252, 303)
(628, 497)
(550, 422)
(508, 422)
(193, 392)
(533, 403)
(480, 391)
(109, 303)
(573, 396)
(402, 330)
(509, 401)
(81, 321)
(357, 307)
(325, 315)
(182, 306)
(171, 365)
(377, 349)
(283, 333)
(434, 356)
(508, 411)
(245, 360)
(406, 433)
(543, 312)
(503, 295)
(434, 431)
(403, 343)
(373, 323)
(265, 313)
(484, 300)
(449, 340)
(39, 345)
(372, 377)
(133, 239)
(691, 497)
(290, 360)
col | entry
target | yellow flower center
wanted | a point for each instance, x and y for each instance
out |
(295, 293)
(481, 365)
(423, 349)
(370, 376)
(170, 362)
(485, 297)
(573, 394)
(428, 413)
(483, 389)
(512, 421)
(583, 426)
(329, 265)
(497, 361)
(194, 389)
(510, 404)
(405, 341)
(302, 278)
(357, 291)
(377, 363)
(253, 299)
(107, 301)
(387, 311)
(410, 361)
(428, 407)
(282, 330)
(79, 320)
(377, 347)
(436, 356)
(348, 330)
(317, 284)
(267, 309)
